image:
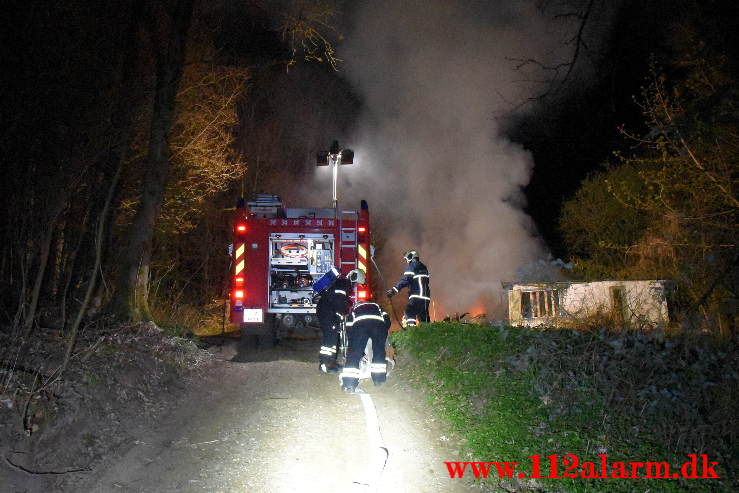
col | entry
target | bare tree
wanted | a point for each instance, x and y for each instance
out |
(131, 297)
(556, 77)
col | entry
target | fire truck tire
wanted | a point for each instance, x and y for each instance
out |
(268, 337)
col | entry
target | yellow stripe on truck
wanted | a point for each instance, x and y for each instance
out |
(239, 251)
(362, 266)
(362, 251)
(239, 268)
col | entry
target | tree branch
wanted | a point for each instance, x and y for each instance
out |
(32, 472)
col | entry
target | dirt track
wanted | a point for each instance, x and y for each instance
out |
(273, 423)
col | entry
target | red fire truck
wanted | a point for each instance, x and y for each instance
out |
(278, 255)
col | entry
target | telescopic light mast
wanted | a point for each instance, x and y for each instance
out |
(334, 157)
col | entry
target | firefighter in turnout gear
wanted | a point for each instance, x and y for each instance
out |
(416, 279)
(332, 309)
(367, 320)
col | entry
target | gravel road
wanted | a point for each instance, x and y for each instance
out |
(271, 422)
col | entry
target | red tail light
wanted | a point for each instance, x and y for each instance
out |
(362, 229)
(239, 280)
(241, 228)
(239, 294)
(362, 294)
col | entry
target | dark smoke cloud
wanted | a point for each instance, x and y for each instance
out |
(430, 157)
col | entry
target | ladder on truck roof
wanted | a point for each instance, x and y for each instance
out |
(348, 225)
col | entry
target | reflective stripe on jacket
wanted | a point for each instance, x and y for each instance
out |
(368, 312)
(416, 279)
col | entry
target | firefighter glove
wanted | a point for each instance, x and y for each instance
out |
(390, 293)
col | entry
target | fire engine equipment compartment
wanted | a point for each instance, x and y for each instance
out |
(296, 262)
(282, 256)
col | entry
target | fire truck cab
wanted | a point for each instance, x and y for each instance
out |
(279, 253)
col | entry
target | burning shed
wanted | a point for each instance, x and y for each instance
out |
(627, 303)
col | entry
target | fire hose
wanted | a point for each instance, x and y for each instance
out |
(384, 288)
(378, 450)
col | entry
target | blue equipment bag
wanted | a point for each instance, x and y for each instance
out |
(326, 280)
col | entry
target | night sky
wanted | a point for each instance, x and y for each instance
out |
(574, 136)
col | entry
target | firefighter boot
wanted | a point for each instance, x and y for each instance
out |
(379, 373)
(329, 367)
(349, 379)
(327, 359)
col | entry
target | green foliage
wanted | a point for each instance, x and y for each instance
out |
(515, 392)
(601, 229)
(668, 208)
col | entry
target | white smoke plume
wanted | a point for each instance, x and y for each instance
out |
(430, 159)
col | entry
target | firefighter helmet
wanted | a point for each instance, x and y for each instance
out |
(356, 276)
(410, 255)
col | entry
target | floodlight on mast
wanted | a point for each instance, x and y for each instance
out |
(334, 157)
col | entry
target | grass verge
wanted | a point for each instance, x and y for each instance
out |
(512, 393)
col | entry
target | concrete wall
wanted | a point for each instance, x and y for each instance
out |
(635, 303)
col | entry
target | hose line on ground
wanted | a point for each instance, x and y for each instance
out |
(379, 454)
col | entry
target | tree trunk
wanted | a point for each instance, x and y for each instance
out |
(44, 249)
(99, 234)
(25, 262)
(71, 261)
(58, 255)
(131, 298)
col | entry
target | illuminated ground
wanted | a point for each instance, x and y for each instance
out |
(273, 423)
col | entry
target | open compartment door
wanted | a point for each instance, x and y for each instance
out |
(296, 262)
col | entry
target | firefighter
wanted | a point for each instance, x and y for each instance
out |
(416, 279)
(332, 308)
(367, 320)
